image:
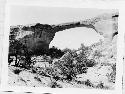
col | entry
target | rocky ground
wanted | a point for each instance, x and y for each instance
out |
(102, 75)
(96, 77)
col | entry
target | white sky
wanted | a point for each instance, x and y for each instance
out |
(50, 15)
(72, 38)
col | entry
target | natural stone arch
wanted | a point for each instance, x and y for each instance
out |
(106, 25)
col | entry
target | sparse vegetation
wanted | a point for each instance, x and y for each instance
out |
(88, 83)
(17, 71)
(55, 85)
(64, 65)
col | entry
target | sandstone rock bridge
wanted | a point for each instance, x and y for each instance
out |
(38, 36)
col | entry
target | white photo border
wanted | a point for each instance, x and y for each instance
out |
(55, 3)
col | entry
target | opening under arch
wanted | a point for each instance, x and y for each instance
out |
(74, 37)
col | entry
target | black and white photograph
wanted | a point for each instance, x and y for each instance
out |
(62, 48)
(59, 47)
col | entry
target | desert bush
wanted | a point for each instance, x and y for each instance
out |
(97, 54)
(69, 68)
(83, 56)
(112, 75)
(66, 50)
(100, 85)
(55, 52)
(64, 68)
(81, 68)
(37, 78)
(55, 85)
(34, 70)
(88, 83)
(90, 63)
(17, 71)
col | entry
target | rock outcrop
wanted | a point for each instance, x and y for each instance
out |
(38, 37)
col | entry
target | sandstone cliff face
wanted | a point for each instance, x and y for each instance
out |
(37, 37)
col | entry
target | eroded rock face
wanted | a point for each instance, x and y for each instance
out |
(38, 37)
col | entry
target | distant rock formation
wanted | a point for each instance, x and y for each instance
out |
(38, 36)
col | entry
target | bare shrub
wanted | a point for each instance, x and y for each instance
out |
(112, 75)
(88, 83)
(100, 85)
(17, 71)
(55, 85)
(70, 69)
(38, 79)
